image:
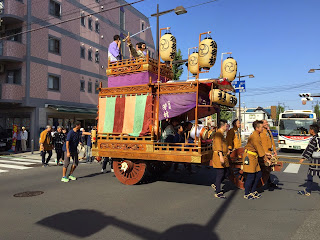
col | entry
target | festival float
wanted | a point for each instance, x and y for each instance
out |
(141, 94)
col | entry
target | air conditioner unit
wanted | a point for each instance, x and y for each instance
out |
(2, 28)
(1, 68)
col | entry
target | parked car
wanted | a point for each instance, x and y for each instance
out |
(5, 139)
(274, 133)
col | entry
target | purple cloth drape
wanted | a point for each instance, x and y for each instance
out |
(172, 105)
(133, 79)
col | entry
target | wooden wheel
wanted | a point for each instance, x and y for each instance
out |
(129, 172)
(237, 176)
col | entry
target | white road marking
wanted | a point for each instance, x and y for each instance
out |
(12, 162)
(21, 159)
(292, 168)
(13, 166)
(3, 171)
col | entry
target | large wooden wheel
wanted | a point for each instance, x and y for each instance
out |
(237, 176)
(129, 172)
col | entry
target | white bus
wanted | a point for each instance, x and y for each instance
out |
(294, 128)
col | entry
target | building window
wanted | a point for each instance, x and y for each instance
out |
(90, 23)
(89, 87)
(122, 18)
(82, 52)
(55, 8)
(96, 87)
(90, 54)
(83, 21)
(54, 45)
(97, 27)
(82, 85)
(16, 38)
(53, 83)
(97, 57)
(142, 26)
(14, 76)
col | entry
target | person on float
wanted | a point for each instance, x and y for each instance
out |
(114, 53)
(312, 153)
(233, 136)
(219, 158)
(269, 146)
(251, 166)
(135, 52)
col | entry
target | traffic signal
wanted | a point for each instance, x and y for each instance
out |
(305, 95)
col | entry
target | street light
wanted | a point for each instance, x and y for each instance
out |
(178, 10)
(250, 76)
(312, 70)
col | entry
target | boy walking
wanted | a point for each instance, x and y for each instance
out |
(73, 139)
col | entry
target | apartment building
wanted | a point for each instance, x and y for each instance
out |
(50, 75)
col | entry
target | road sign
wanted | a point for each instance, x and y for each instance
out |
(239, 86)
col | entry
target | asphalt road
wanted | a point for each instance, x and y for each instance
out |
(178, 206)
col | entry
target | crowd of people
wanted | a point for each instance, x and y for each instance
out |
(66, 145)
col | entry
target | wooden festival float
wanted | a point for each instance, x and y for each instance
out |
(141, 94)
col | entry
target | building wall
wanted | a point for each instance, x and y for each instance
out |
(67, 65)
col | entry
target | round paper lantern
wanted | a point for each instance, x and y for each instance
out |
(193, 63)
(207, 53)
(168, 47)
(229, 68)
(218, 96)
(231, 100)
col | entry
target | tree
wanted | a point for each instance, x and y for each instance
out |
(177, 68)
(280, 109)
(316, 110)
(226, 115)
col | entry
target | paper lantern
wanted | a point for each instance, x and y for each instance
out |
(207, 53)
(218, 96)
(231, 100)
(168, 47)
(229, 68)
(193, 63)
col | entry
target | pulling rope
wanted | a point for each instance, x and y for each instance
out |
(275, 160)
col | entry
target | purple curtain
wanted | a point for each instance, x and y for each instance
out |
(172, 105)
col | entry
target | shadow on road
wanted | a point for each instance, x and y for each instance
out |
(84, 223)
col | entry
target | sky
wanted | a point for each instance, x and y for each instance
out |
(275, 40)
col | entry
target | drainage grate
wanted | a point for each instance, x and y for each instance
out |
(28, 194)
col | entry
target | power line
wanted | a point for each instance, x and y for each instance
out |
(71, 19)
(200, 4)
(67, 13)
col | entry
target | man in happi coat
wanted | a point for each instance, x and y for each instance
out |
(220, 159)
(312, 147)
(269, 146)
(253, 151)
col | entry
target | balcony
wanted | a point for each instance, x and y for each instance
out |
(13, 12)
(12, 51)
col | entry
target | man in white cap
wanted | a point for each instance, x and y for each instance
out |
(24, 139)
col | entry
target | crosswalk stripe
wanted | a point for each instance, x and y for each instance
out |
(12, 162)
(3, 170)
(22, 160)
(292, 168)
(13, 166)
